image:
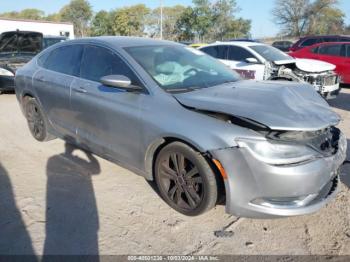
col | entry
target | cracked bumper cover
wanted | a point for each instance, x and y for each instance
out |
(259, 190)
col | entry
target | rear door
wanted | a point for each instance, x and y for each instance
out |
(335, 54)
(343, 68)
(330, 53)
(216, 51)
(52, 84)
(107, 118)
(237, 60)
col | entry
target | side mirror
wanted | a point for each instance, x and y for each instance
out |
(252, 60)
(119, 81)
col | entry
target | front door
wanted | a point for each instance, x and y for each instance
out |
(237, 60)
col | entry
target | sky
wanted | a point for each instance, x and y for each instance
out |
(259, 11)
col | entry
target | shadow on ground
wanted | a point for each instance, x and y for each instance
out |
(342, 101)
(14, 238)
(71, 214)
(345, 169)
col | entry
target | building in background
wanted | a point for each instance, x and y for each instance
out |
(47, 28)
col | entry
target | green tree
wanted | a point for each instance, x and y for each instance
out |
(170, 17)
(238, 28)
(78, 12)
(130, 21)
(102, 24)
(300, 17)
(30, 13)
(184, 25)
(223, 19)
(326, 18)
(55, 17)
(203, 17)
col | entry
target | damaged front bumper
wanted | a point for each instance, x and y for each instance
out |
(259, 190)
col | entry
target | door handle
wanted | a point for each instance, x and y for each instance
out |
(81, 90)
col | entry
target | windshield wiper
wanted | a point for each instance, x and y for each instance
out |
(181, 90)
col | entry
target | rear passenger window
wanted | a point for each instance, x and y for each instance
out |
(65, 59)
(347, 48)
(315, 50)
(211, 50)
(237, 53)
(219, 51)
(308, 42)
(98, 62)
(331, 39)
(42, 58)
(345, 39)
(331, 50)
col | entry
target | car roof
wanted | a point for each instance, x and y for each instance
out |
(328, 43)
(122, 41)
(237, 43)
(323, 36)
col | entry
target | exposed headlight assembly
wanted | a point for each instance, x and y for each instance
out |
(5, 72)
(278, 153)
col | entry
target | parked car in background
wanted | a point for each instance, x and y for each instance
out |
(311, 40)
(263, 62)
(244, 40)
(177, 116)
(16, 49)
(49, 40)
(335, 53)
(282, 45)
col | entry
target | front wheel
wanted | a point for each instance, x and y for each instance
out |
(185, 180)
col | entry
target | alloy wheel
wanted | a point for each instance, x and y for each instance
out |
(181, 181)
(35, 120)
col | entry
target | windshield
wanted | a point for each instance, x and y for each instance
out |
(270, 53)
(20, 42)
(180, 68)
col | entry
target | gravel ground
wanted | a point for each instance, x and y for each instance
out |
(52, 202)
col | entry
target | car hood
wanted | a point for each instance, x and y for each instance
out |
(308, 65)
(13, 62)
(277, 105)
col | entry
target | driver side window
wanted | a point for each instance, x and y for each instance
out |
(237, 53)
(98, 62)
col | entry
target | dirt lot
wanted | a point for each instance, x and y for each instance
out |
(57, 203)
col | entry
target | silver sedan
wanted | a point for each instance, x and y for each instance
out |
(175, 115)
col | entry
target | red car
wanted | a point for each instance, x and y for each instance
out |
(336, 53)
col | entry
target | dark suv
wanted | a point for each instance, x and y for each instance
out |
(311, 40)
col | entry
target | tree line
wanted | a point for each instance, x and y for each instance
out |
(204, 20)
(306, 17)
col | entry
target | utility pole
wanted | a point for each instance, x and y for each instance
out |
(161, 19)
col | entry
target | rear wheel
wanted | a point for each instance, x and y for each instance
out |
(185, 180)
(36, 120)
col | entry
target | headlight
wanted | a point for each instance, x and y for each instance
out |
(278, 153)
(5, 72)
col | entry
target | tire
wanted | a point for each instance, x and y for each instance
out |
(37, 122)
(185, 180)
